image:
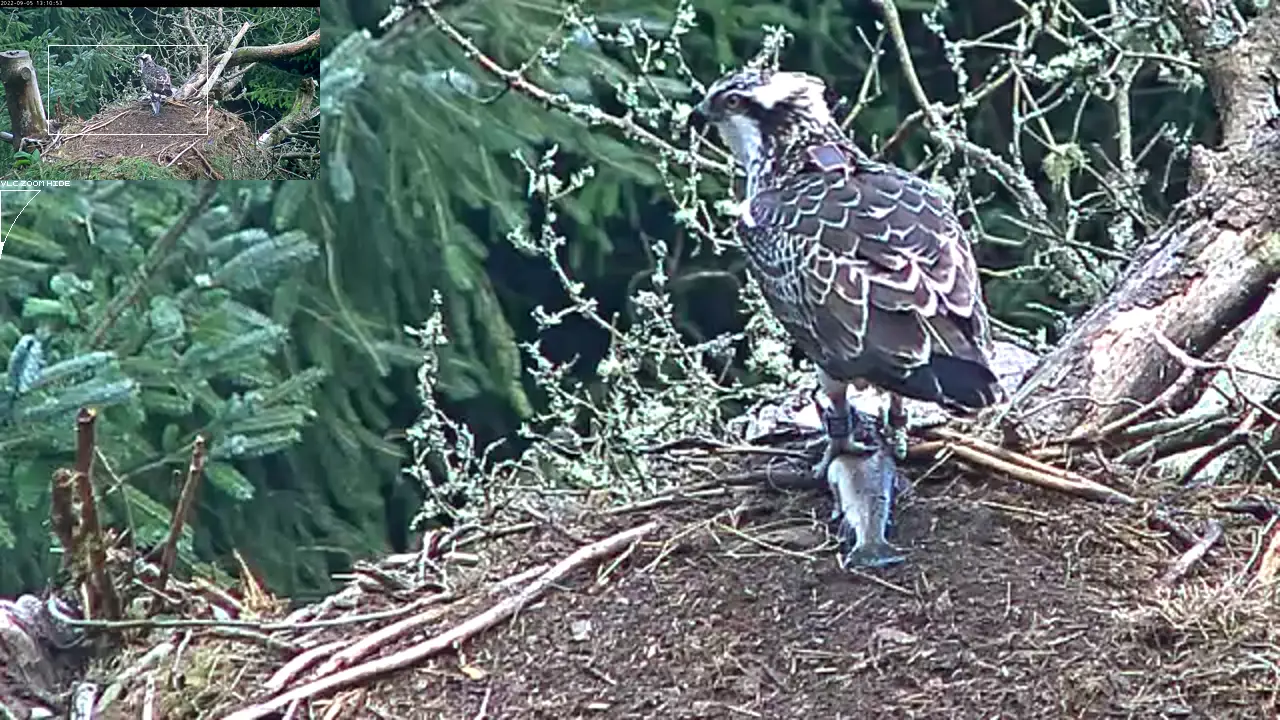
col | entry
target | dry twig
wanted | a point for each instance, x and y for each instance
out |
(454, 636)
(1188, 559)
(1027, 469)
(194, 472)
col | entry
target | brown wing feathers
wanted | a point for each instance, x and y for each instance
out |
(889, 283)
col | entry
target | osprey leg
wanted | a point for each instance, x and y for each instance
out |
(897, 426)
(840, 422)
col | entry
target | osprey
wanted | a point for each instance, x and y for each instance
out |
(156, 81)
(864, 264)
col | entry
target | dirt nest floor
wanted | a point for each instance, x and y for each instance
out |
(1014, 603)
(126, 141)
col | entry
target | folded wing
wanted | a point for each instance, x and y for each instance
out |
(885, 287)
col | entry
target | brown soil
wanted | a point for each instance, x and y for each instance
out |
(222, 148)
(1014, 603)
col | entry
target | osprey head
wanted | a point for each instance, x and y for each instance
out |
(753, 104)
(143, 59)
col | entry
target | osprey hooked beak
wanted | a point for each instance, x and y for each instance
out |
(703, 109)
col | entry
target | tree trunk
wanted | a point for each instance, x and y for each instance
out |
(22, 95)
(1205, 274)
(304, 108)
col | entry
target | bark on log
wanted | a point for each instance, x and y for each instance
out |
(1203, 274)
(1258, 347)
(274, 52)
(304, 102)
(22, 96)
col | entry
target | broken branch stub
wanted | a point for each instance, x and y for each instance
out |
(22, 95)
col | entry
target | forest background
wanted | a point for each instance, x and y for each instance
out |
(586, 285)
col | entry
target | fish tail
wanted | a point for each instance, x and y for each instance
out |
(874, 555)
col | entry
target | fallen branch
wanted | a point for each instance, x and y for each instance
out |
(1188, 559)
(454, 636)
(301, 662)
(222, 64)
(378, 639)
(184, 151)
(1261, 509)
(275, 52)
(1088, 489)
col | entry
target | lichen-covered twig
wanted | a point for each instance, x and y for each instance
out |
(1006, 173)
(587, 113)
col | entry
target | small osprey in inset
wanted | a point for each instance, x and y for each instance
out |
(156, 80)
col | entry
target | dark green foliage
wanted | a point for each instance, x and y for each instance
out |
(77, 81)
(273, 88)
(197, 347)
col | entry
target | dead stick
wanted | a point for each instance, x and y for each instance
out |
(1008, 455)
(104, 593)
(1188, 559)
(62, 516)
(1224, 444)
(304, 660)
(1262, 509)
(456, 635)
(184, 151)
(370, 643)
(1088, 489)
(222, 64)
(1163, 400)
(194, 472)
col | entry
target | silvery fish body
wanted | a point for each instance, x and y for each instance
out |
(864, 487)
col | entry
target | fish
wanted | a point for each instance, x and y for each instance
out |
(864, 487)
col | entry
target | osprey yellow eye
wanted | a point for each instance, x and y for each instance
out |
(733, 102)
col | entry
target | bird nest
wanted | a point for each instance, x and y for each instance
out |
(723, 598)
(126, 141)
